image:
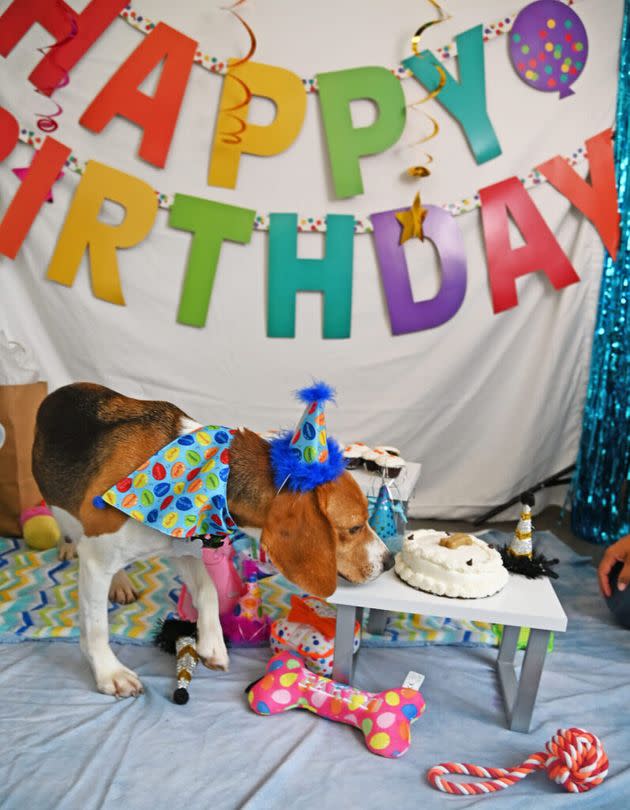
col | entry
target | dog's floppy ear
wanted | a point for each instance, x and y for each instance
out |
(301, 542)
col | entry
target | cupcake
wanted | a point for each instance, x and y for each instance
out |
(389, 466)
(353, 454)
(370, 457)
(393, 451)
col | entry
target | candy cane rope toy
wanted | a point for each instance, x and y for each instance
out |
(574, 758)
(384, 717)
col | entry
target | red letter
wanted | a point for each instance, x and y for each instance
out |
(597, 201)
(58, 19)
(30, 196)
(157, 115)
(9, 132)
(541, 252)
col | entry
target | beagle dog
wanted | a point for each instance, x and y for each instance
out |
(89, 437)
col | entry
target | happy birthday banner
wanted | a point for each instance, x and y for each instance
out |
(548, 48)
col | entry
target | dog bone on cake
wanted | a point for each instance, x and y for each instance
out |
(456, 540)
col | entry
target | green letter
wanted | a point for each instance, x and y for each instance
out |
(211, 223)
(347, 144)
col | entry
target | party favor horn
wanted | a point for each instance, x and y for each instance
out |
(187, 659)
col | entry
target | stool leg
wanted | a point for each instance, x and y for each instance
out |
(377, 621)
(344, 638)
(509, 642)
(533, 663)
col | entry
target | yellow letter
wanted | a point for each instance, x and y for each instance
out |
(234, 135)
(82, 228)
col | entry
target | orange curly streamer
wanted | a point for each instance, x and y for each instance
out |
(233, 138)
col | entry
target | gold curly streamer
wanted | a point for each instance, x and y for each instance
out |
(421, 169)
(232, 138)
(415, 39)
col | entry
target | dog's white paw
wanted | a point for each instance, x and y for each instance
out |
(121, 590)
(121, 683)
(213, 652)
(67, 550)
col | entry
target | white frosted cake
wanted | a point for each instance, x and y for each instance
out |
(458, 565)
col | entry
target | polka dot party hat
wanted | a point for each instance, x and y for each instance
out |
(383, 518)
(305, 458)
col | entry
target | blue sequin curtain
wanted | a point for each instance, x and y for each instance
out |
(600, 492)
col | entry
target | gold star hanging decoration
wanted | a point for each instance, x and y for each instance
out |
(412, 221)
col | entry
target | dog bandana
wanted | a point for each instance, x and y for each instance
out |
(182, 489)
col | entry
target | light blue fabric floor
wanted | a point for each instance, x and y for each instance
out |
(64, 746)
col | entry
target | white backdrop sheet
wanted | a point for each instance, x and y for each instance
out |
(488, 403)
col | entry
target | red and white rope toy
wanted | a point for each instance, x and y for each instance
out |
(574, 758)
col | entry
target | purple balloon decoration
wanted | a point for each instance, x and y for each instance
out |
(405, 314)
(548, 46)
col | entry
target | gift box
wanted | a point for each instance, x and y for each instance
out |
(309, 630)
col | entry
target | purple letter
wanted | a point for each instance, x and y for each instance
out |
(405, 314)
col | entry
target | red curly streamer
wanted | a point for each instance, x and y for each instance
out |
(574, 759)
(46, 122)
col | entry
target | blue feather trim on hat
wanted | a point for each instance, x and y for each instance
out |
(318, 392)
(302, 477)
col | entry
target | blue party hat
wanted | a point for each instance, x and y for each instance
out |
(383, 517)
(305, 458)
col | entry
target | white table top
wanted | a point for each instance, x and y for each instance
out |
(522, 603)
(401, 487)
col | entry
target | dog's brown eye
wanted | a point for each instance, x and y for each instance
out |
(355, 529)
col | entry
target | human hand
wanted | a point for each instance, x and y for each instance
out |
(618, 552)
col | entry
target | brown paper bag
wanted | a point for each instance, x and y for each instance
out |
(18, 490)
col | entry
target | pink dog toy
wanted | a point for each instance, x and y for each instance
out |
(219, 564)
(384, 717)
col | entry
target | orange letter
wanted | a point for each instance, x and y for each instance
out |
(82, 228)
(234, 135)
(30, 196)
(157, 115)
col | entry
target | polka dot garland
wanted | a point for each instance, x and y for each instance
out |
(214, 64)
(317, 224)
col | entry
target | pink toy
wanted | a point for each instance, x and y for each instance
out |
(220, 565)
(247, 624)
(384, 717)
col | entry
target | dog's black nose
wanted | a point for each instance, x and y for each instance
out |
(388, 561)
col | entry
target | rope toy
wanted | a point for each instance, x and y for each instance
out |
(574, 758)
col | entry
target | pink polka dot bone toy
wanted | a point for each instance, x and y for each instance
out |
(383, 717)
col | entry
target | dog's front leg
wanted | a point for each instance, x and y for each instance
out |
(97, 564)
(210, 643)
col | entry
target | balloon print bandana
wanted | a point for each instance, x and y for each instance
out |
(182, 489)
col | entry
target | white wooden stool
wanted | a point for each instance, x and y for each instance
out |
(522, 603)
